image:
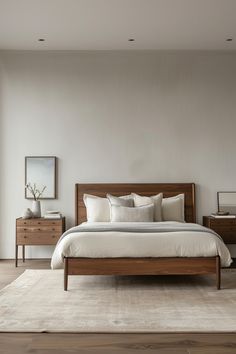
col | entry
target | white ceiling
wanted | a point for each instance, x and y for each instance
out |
(107, 24)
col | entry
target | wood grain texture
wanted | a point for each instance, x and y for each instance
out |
(8, 272)
(226, 228)
(142, 266)
(145, 189)
(53, 343)
(44, 343)
(38, 238)
(37, 232)
(38, 222)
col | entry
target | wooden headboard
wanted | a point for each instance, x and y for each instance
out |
(148, 189)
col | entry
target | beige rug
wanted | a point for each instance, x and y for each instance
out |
(36, 302)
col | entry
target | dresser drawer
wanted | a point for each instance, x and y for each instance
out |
(38, 238)
(36, 222)
(226, 228)
(228, 236)
(39, 228)
(222, 222)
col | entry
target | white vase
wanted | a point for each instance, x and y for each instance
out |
(36, 208)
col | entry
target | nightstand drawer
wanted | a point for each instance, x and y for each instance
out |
(38, 238)
(225, 222)
(39, 228)
(226, 228)
(228, 236)
(36, 222)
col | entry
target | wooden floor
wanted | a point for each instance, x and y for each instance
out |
(45, 343)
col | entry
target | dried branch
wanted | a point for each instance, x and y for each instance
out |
(36, 193)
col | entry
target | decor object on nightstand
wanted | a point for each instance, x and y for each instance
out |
(36, 193)
(37, 232)
(226, 202)
(52, 214)
(223, 216)
(36, 208)
(27, 214)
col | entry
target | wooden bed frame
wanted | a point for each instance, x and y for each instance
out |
(139, 266)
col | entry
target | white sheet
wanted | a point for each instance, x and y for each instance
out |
(127, 244)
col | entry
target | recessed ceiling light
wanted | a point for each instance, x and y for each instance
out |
(131, 39)
(229, 39)
(41, 40)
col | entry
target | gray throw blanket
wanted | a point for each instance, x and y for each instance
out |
(139, 228)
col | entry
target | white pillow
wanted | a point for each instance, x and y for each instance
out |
(126, 200)
(155, 199)
(127, 214)
(97, 208)
(173, 208)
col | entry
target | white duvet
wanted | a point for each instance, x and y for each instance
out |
(138, 244)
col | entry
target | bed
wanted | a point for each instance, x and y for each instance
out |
(138, 255)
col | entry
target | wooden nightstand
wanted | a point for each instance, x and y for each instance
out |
(39, 231)
(226, 228)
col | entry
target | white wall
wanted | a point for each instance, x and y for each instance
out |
(116, 117)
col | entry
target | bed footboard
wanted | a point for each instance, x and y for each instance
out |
(142, 266)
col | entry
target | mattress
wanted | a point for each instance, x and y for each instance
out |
(155, 239)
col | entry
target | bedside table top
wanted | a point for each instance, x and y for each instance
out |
(219, 218)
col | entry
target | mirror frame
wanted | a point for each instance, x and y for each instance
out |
(54, 179)
(218, 198)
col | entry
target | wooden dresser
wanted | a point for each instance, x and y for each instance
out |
(226, 228)
(37, 232)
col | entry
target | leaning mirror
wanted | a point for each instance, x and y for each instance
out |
(41, 171)
(227, 202)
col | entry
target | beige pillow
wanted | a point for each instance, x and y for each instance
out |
(97, 208)
(126, 200)
(173, 208)
(127, 214)
(155, 199)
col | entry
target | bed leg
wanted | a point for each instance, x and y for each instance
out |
(65, 273)
(218, 273)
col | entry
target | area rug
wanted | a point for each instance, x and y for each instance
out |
(36, 302)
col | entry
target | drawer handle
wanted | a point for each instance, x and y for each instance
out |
(53, 229)
(39, 229)
(39, 222)
(25, 236)
(25, 223)
(53, 236)
(25, 229)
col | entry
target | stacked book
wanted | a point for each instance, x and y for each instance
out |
(52, 214)
(222, 216)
